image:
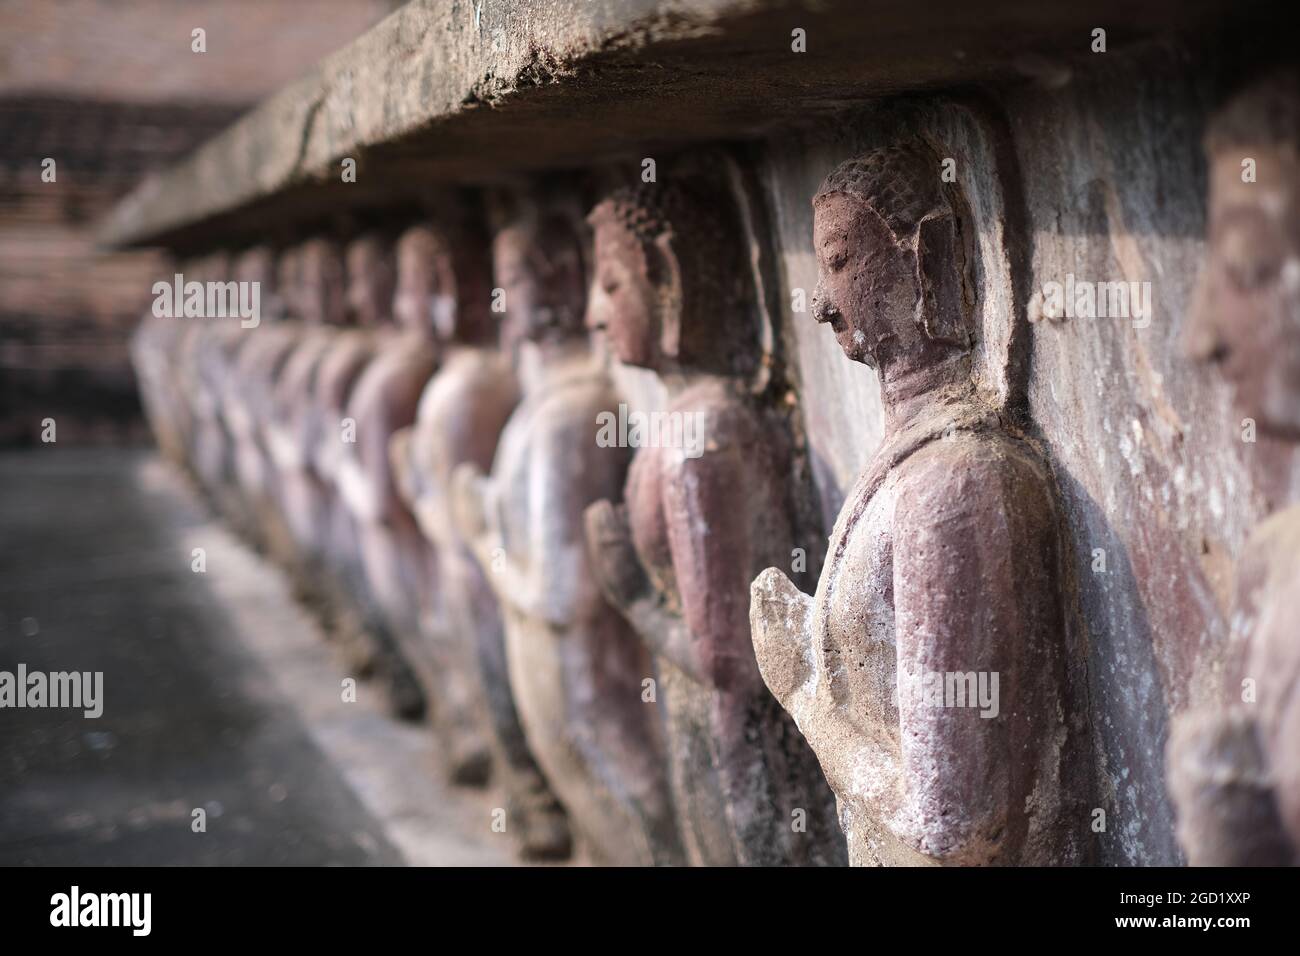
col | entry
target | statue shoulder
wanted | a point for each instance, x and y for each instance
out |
(1272, 552)
(976, 471)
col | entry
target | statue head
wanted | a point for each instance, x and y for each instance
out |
(286, 279)
(442, 286)
(894, 259)
(257, 264)
(671, 285)
(371, 278)
(322, 287)
(537, 261)
(1246, 310)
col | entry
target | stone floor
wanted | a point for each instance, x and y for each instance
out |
(219, 694)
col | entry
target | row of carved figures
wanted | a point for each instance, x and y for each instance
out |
(413, 432)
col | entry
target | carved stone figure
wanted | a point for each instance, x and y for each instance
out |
(228, 339)
(932, 673)
(249, 402)
(575, 666)
(461, 415)
(400, 567)
(338, 578)
(155, 348)
(707, 507)
(213, 339)
(1234, 764)
(320, 305)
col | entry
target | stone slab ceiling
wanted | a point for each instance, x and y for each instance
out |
(446, 91)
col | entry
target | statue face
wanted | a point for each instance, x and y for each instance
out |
(622, 302)
(1246, 311)
(370, 286)
(866, 289)
(416, 298)
(543, 292)
(322, 283)
(257, 265)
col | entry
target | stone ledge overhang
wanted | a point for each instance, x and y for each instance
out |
(470, 91)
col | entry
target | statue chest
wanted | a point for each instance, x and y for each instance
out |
(513, 478)
(854, 606)
(648, 518)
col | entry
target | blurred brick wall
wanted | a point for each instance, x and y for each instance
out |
(111, 90)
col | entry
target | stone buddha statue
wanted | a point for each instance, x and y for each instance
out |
(252, 401)
(461, 414)
(400, 578)
(576, 667)
(932, 673)
(318, 300)
(707, 507)
(1234, 763)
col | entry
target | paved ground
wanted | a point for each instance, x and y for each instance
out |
(218, 694)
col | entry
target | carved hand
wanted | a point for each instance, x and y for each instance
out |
(615, 562)
(780, 617)
(468, 488)
(399, 459)
(780, 623)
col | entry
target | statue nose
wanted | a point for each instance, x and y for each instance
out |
(823, 308)
(1202, 340)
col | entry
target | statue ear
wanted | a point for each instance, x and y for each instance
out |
(667, 279)
(941, 271)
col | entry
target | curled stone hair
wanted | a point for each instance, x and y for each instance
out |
(695, 257)
(1266, 113)
(929, 220)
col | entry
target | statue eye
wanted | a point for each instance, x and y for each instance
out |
(837, 260)
(1250, 270)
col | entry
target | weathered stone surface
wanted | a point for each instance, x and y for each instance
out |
(945, 564)
(459, 421)
(709, 502)
(450, 89)
(1089, 168)
(1145, 451)
(576, 667)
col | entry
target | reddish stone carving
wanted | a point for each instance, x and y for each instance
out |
(707, 508)
(944, 568)
(575, 666)
(1234, 767)
(250, 405)
(461, 415)
(318, 298)
(400, 580)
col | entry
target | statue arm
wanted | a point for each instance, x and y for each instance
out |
(568, 471)
(618, 569)
(470, 491)
(976, 601)
(709, 523)
(399, 457)
(478, 524)
(358, 485)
